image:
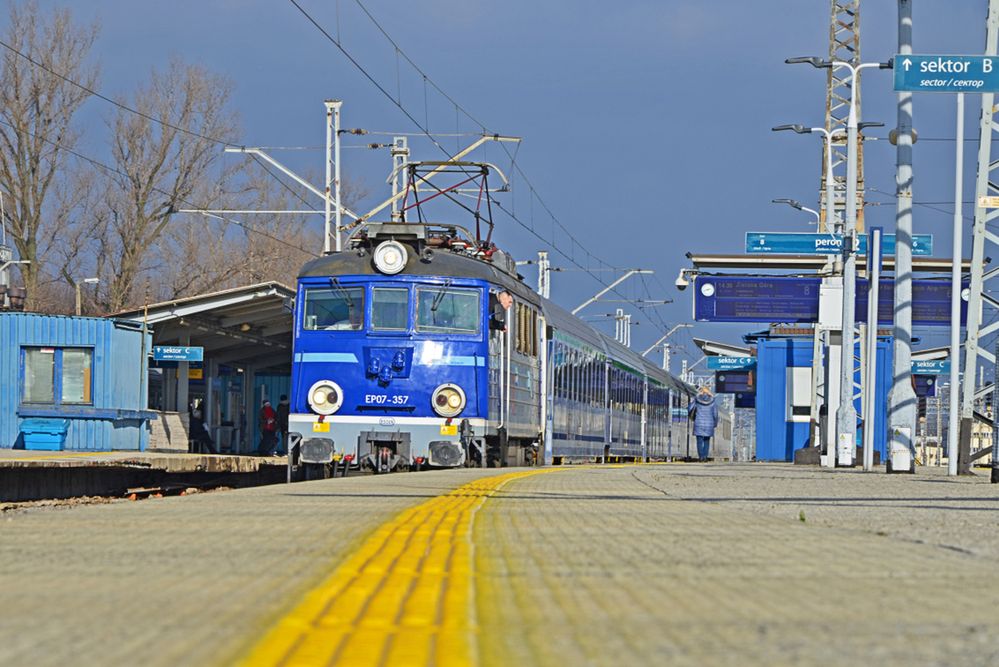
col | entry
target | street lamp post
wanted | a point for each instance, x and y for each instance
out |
(832, 225)
(794, 203)
(79, 296)
(846, 414)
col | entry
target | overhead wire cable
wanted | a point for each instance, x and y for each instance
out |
(118, 172)
(116, 103)
(431, 136)
(917, 203)
(284, 185)
(429, 80)
(336, 42)
(141, 114)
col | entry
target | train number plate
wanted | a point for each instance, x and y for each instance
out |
(321, 427)
(449, 429)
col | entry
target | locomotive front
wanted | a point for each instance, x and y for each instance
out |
(390, 355)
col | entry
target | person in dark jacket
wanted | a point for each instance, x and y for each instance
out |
(199, 435)
(283, 410)
(704, 413)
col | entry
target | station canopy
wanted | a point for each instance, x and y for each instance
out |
(249, 325)
(716, 348)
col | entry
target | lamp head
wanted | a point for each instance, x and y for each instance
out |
(800, 129)
(869, 123)
(814, 61)
(793, 203)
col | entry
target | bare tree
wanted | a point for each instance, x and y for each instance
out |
(162, 167)
(204, 253)
(36, 128)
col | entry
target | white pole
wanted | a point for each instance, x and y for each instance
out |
(336, 175)
(955, 296)
(329, 175)
(902, 399)
(870, 392)
(846, 413)
(544, 275)
(830, 398)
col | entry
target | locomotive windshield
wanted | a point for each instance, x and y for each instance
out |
(447, 310)
(389, 308)
(334, 308)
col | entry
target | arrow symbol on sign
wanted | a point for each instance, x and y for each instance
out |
(906, 64)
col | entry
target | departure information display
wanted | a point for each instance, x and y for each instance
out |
(734, 382)
(755, 299)
(796, 300)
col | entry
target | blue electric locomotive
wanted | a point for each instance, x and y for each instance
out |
(419, 345)
(394, 352)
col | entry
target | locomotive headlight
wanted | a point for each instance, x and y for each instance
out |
(325, 397)
(390, 257)
(448, 400)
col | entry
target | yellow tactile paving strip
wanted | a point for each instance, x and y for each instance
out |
(404, 597)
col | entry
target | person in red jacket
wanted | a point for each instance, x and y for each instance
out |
(268, 429)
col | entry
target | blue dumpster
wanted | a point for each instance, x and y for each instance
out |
(46, 434)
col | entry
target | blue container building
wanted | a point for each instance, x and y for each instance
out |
(90, 372)
(783, 397)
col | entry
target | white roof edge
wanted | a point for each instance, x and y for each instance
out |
(167, 310)
(722, 349)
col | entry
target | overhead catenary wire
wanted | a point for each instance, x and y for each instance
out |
(109, 100)
(113, 170)
(424, 132)
(159, 121)
(297, 195)
(428, 81)
(926, 205)
(141, 114)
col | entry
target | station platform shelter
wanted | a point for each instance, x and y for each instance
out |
(246, 334)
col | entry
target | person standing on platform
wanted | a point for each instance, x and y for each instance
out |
(704, 412)
(283, 410)
(268, 429)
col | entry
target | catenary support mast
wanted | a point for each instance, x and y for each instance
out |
(979, 296)
(902, 397)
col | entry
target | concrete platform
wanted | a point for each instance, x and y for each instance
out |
(168, 462)
(741, 564)
(36, 475)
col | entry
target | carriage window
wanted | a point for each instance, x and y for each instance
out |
(447, 310)
(389, 308)
(334, 309)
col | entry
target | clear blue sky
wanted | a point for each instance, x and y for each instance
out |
(646, 124)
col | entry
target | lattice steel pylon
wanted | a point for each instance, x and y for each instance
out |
(844, 45)
(983, 302)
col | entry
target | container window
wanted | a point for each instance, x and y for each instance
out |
(389, 308)
(39, 375)
(55, 375)
(76, 376)
(334, 309)
(447, 310)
